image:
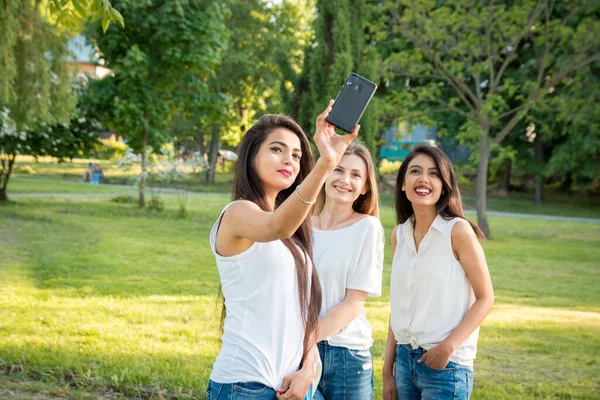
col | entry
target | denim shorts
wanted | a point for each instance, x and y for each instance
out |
(243, 391)
(416, 380)
(347, 374)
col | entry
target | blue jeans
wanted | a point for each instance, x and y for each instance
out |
(347, 374)
(416, 380)
(243, 391)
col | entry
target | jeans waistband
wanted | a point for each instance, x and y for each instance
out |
(410, 347)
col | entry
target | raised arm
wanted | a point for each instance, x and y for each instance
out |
(245, 220)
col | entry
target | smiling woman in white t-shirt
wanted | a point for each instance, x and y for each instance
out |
(348, 255)
(262, 243)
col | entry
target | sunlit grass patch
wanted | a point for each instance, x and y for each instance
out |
(103, 299)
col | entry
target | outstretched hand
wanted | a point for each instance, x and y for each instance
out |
(331, 145)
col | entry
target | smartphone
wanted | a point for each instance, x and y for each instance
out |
(351, 102)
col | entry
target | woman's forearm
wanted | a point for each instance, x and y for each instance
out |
(291, 213)
(390, 354)
(339, 317)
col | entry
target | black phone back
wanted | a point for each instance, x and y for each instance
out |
(351, 102)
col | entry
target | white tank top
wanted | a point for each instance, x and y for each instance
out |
(263, 331)
(429, 290)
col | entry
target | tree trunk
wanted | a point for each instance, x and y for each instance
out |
(567, 183)
(481, 182)
(213, 154)
(7, 166)
(200, 142)
(538, 191)
(505, 185)
(142, 196)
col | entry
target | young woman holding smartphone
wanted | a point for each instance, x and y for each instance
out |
(263, 244)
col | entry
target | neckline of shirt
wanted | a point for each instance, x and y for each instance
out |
(346, 227)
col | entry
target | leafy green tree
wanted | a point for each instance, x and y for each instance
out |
(164, 45)
(35, 85)
(291, 39)
(569, 128)
(264, 48)
(72, 14)
(490, 63)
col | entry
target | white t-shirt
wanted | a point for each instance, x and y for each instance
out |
(350, 258)
(430, 292)
(263, 331)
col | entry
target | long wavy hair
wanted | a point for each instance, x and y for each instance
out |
(449, 204)
(247, 185)
(367, 203)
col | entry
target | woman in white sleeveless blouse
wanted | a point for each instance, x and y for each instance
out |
(263, 246)
(440, 290)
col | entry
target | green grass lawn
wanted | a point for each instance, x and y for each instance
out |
(104, 300)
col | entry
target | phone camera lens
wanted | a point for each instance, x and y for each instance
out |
(359, 88)
(351, 80)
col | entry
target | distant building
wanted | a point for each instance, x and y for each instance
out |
(83, 60)
(400, 132)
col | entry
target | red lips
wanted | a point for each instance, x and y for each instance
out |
(285, 172)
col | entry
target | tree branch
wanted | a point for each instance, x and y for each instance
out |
(547, 45)
(508, 127)
(458, 85)
(453, 108)
(477, 86)
(513, 45)
(488, 45)
(424, 76)
(506, 114)
(566, 71)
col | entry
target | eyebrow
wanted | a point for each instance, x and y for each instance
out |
(284, 145)
(418, 166)
(354, 170)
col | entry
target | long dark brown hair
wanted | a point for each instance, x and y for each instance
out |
(247, 185)
(367, 203)
(449, 204)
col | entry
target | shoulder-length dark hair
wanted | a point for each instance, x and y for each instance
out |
(247, 185)
(449, 204)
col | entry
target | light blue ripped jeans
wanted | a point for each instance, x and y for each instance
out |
(347, 374)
